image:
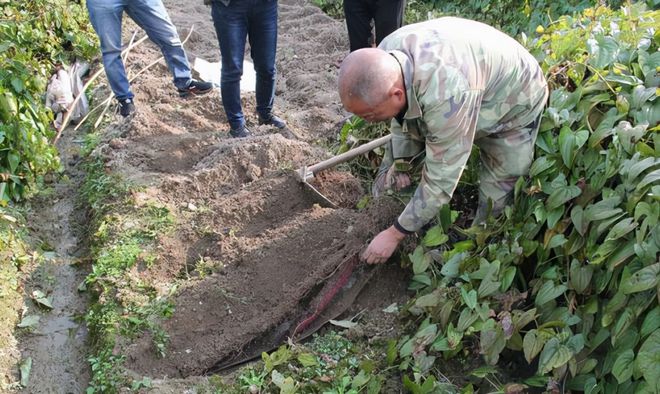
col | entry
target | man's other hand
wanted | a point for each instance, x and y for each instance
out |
(396, 180)
(382, 246)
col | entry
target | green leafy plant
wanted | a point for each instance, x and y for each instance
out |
(567, 281)
(35, 37)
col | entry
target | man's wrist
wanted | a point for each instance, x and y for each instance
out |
(401, 232)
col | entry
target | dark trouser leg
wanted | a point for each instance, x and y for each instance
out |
(389, 17)
(231, 28)
(262, 33)
(358, 22)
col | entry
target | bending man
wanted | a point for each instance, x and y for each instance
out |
(446, 84)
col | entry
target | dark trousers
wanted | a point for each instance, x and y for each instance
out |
(255, 20)
(386, 14)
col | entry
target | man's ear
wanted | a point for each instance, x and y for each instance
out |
(399, 95)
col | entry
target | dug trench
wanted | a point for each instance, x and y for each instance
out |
(252, 253)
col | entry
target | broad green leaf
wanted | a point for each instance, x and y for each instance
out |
(29, 321)
(13, 159)
(554, 355)
(434, 237)
(507, 278)
(307, 359)
(648, 358)
(555, 215)
(40, 298)
(640, 95)
(629, 135)
(541, 164)
(644, 279)
(549, 292)
(578, 219)
(522, 319)
(603, 209)
(420, 260)
(620, 229)
(469, 298)
(621, 255)
(624, 321)
(450, 269)
(557, 240)
(492, 342)
(588, 365)
(623, 366)
(567, 146)
(429, 300)
(580, 276)
(651, 322)
(466, 318)
(360, 380)
(532, 345)
(652, 177)
(391, 352)
(605, 128)
(635, 166)
(18, 85)
(561, 196)
(25, 368)
(623, 79)
(602, 50)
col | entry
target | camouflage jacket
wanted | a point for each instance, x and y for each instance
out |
(464, 80)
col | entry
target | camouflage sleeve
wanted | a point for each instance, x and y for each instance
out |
(451, 128)
(404, 145)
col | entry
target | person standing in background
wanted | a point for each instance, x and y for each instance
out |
(150, 15)
(256, 20)
(387, 16)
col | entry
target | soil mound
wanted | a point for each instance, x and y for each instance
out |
(252, 247)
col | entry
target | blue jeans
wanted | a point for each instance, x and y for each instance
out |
(256, 20)
(150, 15)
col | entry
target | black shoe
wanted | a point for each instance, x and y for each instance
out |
(196, 88)
(272, 120)
(126, 107)
(241, 132)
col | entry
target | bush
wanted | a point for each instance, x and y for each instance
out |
(567, 280)
(35, 36)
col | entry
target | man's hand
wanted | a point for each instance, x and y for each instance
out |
(396, 180)
(390, 180)
(382, 246)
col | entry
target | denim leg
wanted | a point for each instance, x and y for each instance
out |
(262, 33)
(152, 16)
(231, 28)
(106, 17)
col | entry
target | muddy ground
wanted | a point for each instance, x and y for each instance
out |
(251, 247)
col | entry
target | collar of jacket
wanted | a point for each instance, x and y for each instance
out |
(414, 110)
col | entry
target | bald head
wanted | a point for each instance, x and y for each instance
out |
(367, 75)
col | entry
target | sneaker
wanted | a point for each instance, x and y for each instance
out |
(196, 88)
(241, 132)
(126, 107)
(272, 120)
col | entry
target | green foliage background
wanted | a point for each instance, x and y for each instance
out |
(35, 36)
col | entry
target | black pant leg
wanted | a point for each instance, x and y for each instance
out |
(389, 17)
(358, 23)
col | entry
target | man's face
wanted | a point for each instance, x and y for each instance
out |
(378, 113)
